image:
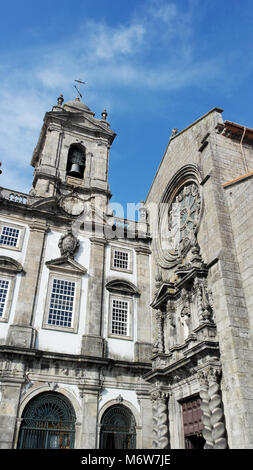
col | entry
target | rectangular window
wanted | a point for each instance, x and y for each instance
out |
(4, 287)
(9, 236)
(120, 317)
(120, 259)
(61, 307)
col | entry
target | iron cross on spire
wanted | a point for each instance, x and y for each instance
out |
(78, 86)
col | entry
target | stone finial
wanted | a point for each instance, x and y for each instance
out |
(143, 212)
(104, 115)
(60, 100)
(174, 132)
(119, 399)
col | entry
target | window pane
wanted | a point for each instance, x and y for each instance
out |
(120, 259)
(9, 236)
(119, 317)
(4, 285)
(61, 305)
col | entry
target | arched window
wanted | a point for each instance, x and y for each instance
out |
(118, 428)
(48, 423)
(76, 161)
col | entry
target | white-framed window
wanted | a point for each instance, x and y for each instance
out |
(120, 314)
(4, 291)
(7, 283)
(62, 302)
(61, 307)
(11, 236)
(121, 259)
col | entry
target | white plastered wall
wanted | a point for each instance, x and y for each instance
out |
(119, 348)
(18, 255)
(53, 340)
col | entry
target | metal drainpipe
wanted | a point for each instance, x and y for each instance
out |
(243, 155)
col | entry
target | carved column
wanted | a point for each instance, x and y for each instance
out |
(163, 421)
(213, 416)
(21, 333)
(160, 419)
(154, 399)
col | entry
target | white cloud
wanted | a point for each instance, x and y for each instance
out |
(155, 50)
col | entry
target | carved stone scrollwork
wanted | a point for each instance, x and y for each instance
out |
(163, 421)
(154, 399)
(160, 420)
(213, 418)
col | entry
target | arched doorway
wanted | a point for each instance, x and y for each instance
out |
(48, 422)
(118, 428)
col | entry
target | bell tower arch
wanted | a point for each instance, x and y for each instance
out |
(72, 153)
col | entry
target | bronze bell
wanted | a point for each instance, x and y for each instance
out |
(75, 171)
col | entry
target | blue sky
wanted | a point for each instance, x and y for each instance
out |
(154, 65)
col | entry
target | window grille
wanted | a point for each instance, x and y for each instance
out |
(118, 429)
(61, 305)
(119, 317)
(9, 236)
(48, 422)
(120, 259)
(4, 286)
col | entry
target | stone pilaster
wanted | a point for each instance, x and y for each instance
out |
(89, 421)
(146, 418)
(21, 333)
(143, 349)
(92, 341)
(11, 380)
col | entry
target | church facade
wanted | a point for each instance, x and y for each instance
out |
(119, 334)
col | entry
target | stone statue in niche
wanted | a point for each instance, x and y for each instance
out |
(185, 312)
(172, 324)
(68, 244)
(204, 300)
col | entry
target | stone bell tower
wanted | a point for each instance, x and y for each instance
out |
(72, 153)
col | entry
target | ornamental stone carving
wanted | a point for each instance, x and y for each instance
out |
(184, 213)
(211, 404)
(178, 218)
(204, 300)
(68, 244)
(160, 419)
(158, 346)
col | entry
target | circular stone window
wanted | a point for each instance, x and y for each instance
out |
(178, 221)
